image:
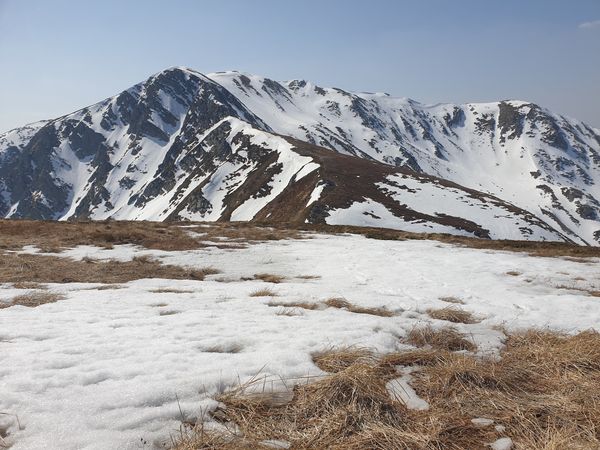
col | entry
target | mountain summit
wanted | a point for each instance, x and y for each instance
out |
(232, 146)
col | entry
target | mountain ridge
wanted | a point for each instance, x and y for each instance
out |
(142, 153)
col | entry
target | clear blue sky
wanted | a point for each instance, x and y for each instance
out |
(60, 55)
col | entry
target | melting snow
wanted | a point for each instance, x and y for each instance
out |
(108, 368)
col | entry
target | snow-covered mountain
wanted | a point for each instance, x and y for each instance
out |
(232, 146)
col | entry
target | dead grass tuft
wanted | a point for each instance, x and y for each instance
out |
(302, 305)
(33, 299)
(542, 393)
(104, 287)
(224, 348)
(308, 277)
(337, 359)
(269, 277)
(453, 314)
(447, 338)
(170, 291)
(342, 303)
(454, 300)
(289, 312)
(266, 292)
(417, 357)
(513, 273)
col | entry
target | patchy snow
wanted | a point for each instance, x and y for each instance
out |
(119, 367)
(315, 195)
(502, 444)
(369, 213)
(482, 422)
(401, 390)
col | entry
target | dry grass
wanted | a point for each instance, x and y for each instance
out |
(170, 291)
(542, 392)
(448, 338)
(308, 277)
(589, 291)
(15, 268)
(28, 285)
(578, 253)
(289, 312)
(342, 303)
(224, 348)
(336, 359)
(56, 236)
(266, 292)
(302, 305)
(513, 273)
(269, 277)
(53, 237)
(454, 300)
(453, 314)
(33, 299)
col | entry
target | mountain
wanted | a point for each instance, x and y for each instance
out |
(232, 146)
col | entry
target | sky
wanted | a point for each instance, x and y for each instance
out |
(61, 55)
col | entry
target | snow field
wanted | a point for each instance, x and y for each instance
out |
(120, 368)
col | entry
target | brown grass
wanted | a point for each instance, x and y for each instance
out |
(53, 237)
(591, 292)
(336, 359)
(342, 303)
(543, 391)
(15, 268)
(302, 305)
(28, 285)
(266, 292)
(513, 273)
(56, 236)
(308, 277)
(33, 299)
(224, 348)
(447, 338)
(577, 253)
(170, 291)
(269, 277)
(289, 312)
(454, 300)
(453, 314)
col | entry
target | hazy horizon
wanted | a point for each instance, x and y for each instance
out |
(64, 55)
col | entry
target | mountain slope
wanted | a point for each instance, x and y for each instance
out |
(540, 161)
(228, 146)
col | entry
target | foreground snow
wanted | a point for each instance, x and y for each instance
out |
(121, 368)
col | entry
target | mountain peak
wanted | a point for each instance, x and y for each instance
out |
(237, 146)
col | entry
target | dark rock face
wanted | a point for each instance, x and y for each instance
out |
(510, 122)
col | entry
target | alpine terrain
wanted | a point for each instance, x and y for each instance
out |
(229, 146)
